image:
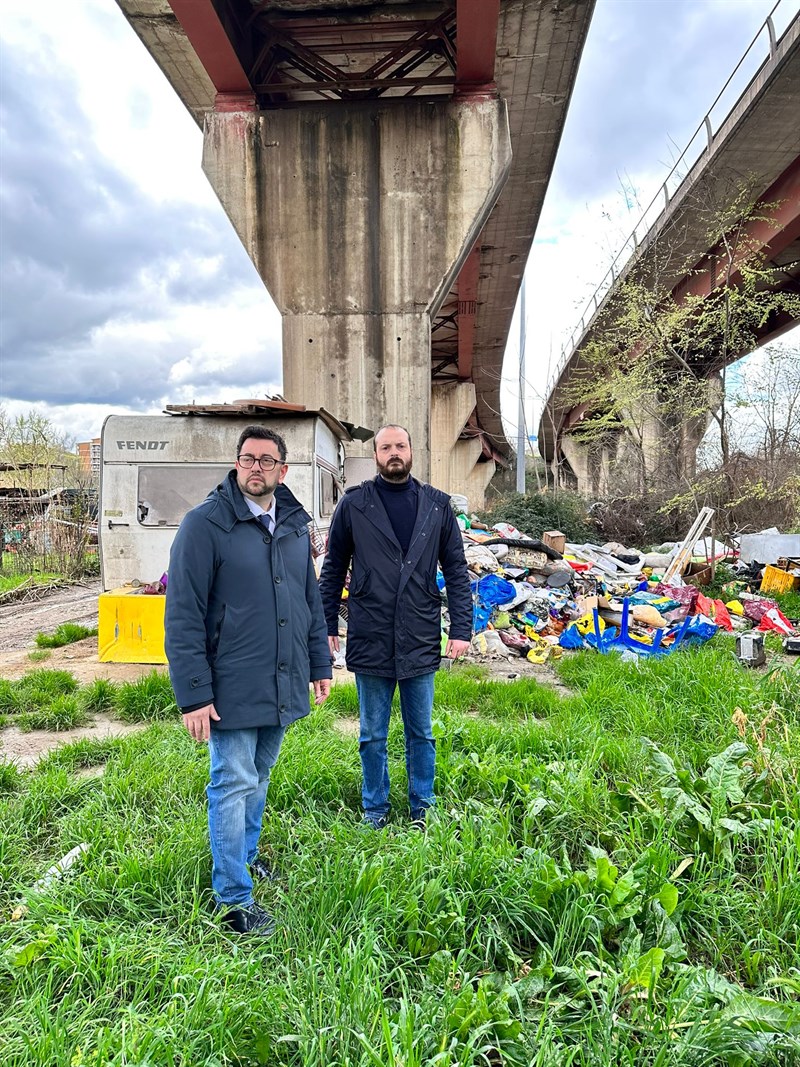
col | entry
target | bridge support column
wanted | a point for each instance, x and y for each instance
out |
(455, 462)
(358, 219)
(590, 466)
(658, 450)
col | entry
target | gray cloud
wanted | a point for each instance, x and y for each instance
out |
(83, 249)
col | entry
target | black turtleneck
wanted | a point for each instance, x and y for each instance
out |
(400, 501)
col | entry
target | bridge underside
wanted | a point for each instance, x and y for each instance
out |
(456, 57)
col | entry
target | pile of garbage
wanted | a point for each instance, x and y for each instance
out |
(539, 598)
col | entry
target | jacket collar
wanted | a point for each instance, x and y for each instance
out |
(290, 513)
(370, 504)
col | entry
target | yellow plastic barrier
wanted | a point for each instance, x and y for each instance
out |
(130, 627)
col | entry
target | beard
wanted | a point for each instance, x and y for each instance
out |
(395, 470)
(254, 486)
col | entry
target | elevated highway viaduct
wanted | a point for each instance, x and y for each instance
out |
(385, 166)
(758, 145)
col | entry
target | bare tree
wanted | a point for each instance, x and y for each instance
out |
(45, 511)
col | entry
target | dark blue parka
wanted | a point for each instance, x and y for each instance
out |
(394, 605)
(244, 622)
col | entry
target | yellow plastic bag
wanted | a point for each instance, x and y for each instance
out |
(585, 624)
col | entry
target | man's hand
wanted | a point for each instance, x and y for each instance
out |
(455, 649)
(333, 644)
(322, 687)
(198, 722)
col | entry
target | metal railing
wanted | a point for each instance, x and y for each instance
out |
(700, 142)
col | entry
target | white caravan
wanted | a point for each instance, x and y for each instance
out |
(156, 467)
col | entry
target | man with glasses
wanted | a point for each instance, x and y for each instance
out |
(245, 636)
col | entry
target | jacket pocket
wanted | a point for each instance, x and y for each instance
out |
(213, 648)
(360, 587)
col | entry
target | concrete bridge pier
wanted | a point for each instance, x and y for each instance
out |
(358, 219)
(659, 449)
(455, 462)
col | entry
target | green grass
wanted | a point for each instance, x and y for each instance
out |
(40, 655)
(789, 603)
(60, 713)
(148, 699)
(10, 582)
(99, 696)
(65, 634)
(579, 901)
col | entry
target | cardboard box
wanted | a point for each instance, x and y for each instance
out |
(555, 539)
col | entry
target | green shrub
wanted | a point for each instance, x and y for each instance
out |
(533, 513)
(65, 634)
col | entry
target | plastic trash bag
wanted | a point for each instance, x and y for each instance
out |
(774, 620)
(493, 590)
(571, 638)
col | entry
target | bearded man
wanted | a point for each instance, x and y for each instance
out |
(395, 530)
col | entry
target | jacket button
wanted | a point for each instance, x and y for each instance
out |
(281, 666)
(267, 540)
(281, 622)
(277, 579)
(282, 707)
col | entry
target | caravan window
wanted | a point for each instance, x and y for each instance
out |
(329, 492)
(165, 494)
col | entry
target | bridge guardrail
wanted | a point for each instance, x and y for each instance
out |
(773, 29)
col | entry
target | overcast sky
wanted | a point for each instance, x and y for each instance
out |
(124, 286)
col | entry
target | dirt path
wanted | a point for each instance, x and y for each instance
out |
(26, 749)
(21, 621)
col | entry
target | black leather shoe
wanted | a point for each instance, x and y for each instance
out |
(261, 871)
(253, 920)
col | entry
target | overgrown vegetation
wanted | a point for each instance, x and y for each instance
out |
(17, 584)
(613, 878)
(49, 509)
(533, 513)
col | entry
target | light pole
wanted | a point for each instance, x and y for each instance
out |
(521, 416)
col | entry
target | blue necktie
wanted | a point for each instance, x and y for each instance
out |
(266, 521)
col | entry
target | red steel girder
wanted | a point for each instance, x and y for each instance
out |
(779, 227)
(206, 33)
(295, 51)
(476, 44)
(467, 311)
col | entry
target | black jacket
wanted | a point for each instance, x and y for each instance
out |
(244, 625)
(394, 605)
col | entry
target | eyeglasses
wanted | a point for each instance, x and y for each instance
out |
(266, 463)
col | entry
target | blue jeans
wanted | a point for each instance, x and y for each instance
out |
(416, 706)
(241, 761)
